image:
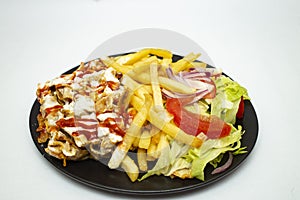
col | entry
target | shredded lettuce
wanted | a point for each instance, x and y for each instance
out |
(167, 158)
(201, 107)
(215, 162)
(226, 103)
(210, 150)
(232, 89)
(179, 164)
(178, 156)
(240, 151)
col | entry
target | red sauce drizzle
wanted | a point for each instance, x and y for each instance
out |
(66, 122)
(89, 131)
(113, 126)
(49, 110)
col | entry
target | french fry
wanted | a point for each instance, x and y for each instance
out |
(147, 88)
(165, 63)
(163, 142)
(134, 57)
(120, 152)
(141, 56)
(130, 168)
(142, 92)
(145, 139)
(183, 63)
(160, 52)
(157, 97)
(141, 67)
(151, 151)
(130, 83)
(156, 137)
(197, 65)
(138, 89)
(137, 102)
(144, 64)
(142, 159)
(122, 60)
(143, 78)
(136, 141)
(112, 63)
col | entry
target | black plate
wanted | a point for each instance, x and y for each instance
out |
(98, 175)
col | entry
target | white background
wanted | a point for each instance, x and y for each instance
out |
(255, 42)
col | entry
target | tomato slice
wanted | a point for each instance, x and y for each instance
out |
(240, 112)
(193, 124)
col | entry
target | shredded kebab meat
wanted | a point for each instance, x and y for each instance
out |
(80, 116)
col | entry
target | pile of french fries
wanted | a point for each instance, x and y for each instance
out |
(144, 74)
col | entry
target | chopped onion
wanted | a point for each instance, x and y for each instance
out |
(225, 166)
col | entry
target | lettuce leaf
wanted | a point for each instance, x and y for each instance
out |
(167, 158)
(179, 164)
(232, 89)
(217, 161)
(240, 151)
(210, 150)
(226, 103)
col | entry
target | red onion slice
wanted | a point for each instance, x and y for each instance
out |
(171, 74)
(199, 85)
(200, 80)
(195, 74)
(200, 96)
(179, 95)
(194, 97)
(213, 71)
(225, 166)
